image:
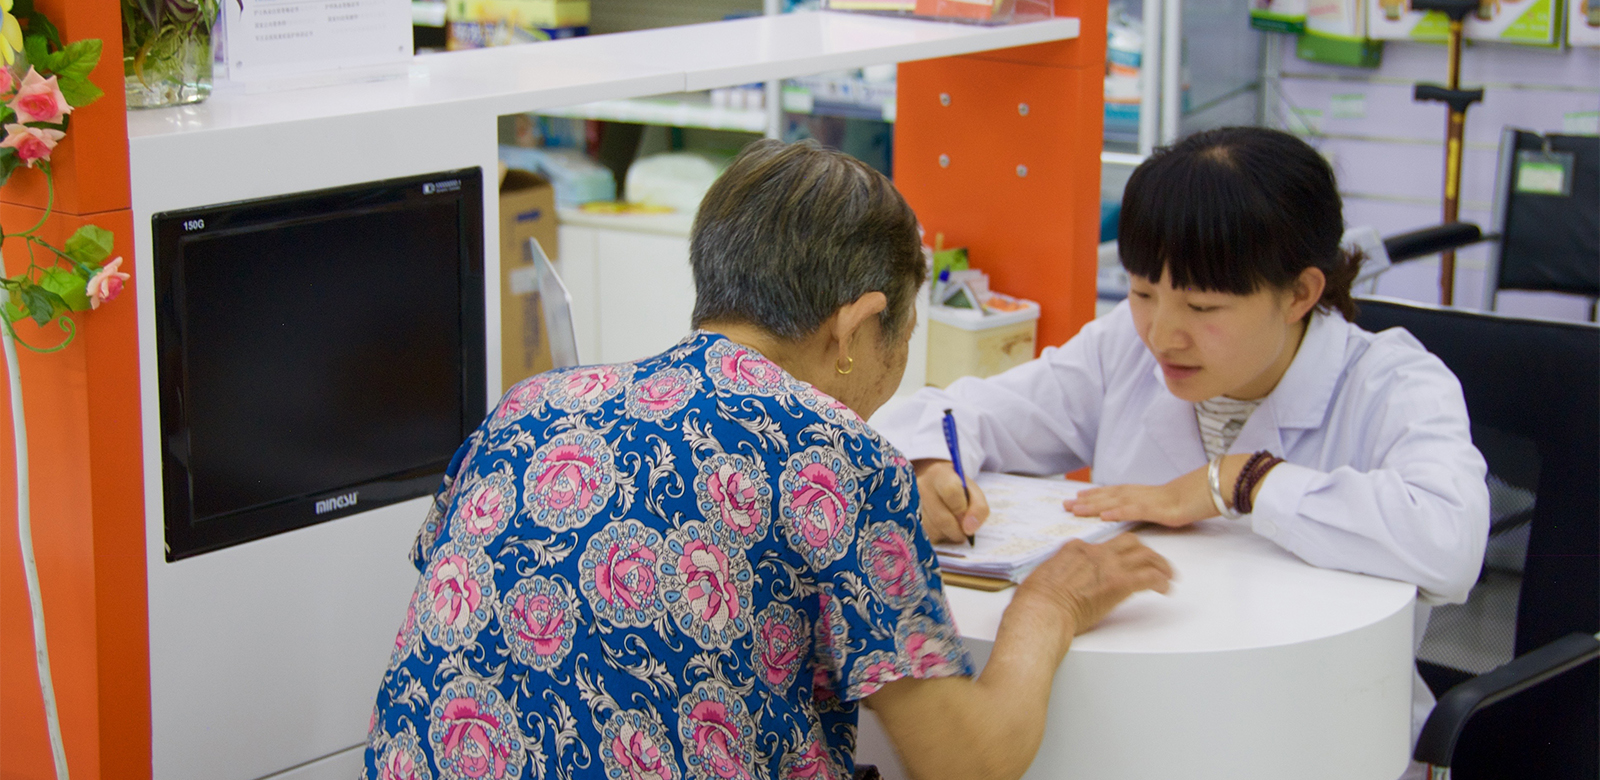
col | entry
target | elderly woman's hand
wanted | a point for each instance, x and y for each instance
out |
(947, 513)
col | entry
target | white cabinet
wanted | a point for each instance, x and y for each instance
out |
(642, 265)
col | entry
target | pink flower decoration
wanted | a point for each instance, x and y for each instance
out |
(398, 766)
(736, 498)
(749, 368)
(563, 483)
(809, 765)
(626, 574)
(891, 561)
(7, 81)
(876, 675)
(32, 143)
(455, 593)
(106, 284)
(781, 650)
(469, 740)
(716, 738)
(483, 510)
(592, 382)
(661, 392)
(539, 622)
(39, 100)
(641, 756)
(709, 587)
(819, 505)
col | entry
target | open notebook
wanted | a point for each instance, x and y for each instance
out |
(1027, 524)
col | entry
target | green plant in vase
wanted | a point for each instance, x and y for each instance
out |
(166, 51)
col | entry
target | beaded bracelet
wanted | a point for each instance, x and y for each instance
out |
(1253, 472)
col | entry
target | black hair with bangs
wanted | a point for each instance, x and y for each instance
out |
(1233, 209)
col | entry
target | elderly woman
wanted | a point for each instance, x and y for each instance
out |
(697, 565)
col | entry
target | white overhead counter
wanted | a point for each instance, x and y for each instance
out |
(513, 79)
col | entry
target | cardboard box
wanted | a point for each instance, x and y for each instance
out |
(1583, 23)
(1336, 33)
(1535, 22)
(527, 210)
(1285, 16)
(474, 24)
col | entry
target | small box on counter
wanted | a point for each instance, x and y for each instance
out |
(475, 24)
(527, 210)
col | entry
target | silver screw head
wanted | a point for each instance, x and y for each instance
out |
(1022, 170)
(944, 161)
(1022, 108)
(944, 98)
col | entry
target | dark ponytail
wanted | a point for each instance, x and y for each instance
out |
(1234, 209)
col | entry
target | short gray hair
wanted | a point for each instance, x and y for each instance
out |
(792, 232)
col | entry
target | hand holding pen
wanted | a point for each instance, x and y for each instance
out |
(952, 507)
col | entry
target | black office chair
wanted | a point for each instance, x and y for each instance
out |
(1542, 241)
(1533, 391)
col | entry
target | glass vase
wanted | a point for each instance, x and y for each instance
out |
(166, 47)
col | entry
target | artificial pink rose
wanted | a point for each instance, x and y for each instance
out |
(662, 391)
(540, 622)
(7, 81)
(563, 484)
(749, 368)
(781, 651)
(715, 739)
(455, 593)
(32, 143)
(626, 574)
(891, 562)
(483, 510)
(469, 740)
(106, 284)
(811, 764)
(708, 584)
(736, 498)
(641, 755)
(398, 766)
(819, 504)
(39, 100)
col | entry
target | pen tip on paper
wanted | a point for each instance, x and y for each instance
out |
(972, 540)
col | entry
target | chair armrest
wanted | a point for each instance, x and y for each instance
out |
(1431, 240)
(1438, 739)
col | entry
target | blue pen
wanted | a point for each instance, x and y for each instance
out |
(954, 443)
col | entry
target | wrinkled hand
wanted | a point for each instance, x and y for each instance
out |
(1088, 580)
(1177, 503)
(947, 515)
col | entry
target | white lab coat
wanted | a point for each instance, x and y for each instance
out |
(1381, 476)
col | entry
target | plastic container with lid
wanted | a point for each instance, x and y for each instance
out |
(968, 342)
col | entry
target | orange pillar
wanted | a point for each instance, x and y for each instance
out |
(87, 484)
(1000, 152)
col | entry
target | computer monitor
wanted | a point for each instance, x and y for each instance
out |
(320, 354)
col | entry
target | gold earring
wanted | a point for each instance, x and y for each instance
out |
(851, 366)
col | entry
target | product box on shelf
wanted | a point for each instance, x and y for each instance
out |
(1583, 23)
(474, 24)
(1536, 22)
(1393, 20)
(527, 210)
(1287, 16)
(1336, 33)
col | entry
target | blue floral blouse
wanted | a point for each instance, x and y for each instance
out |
(693, 566)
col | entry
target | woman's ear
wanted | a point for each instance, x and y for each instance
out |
(852, 316)
(1307, 292)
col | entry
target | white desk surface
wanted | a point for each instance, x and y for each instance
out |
(1257, 666)
(1234, 590)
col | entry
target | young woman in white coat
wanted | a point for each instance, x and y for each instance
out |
(1231, 382)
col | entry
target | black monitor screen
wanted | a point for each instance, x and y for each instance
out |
(322, 353)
